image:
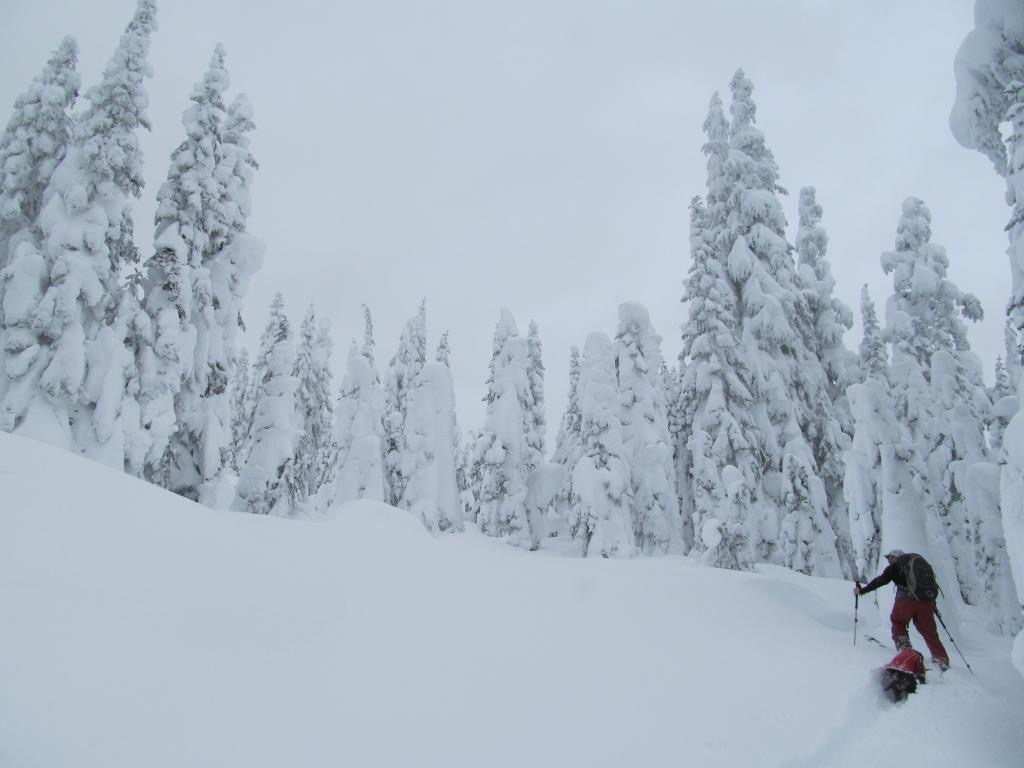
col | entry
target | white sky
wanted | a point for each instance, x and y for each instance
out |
(541, 154)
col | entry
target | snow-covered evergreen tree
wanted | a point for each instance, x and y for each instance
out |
(645, 433)
(402, 371)
(788, 385)
(502, 456)
(725, 536)
(464, 475)
(536, 427)
(930, 340)
(359, 426)
(268, 481)
(32, 146)
(672, 382)
(314, 405)
(569, 441)
(600, 517)
(70, 378)
(176, 288)
(829, 421)
(921, 324)
(715, 397)
(234, 257)
(431, 492)
(1004, 407)
(990, 95)
(444, 350)
(241, 409)
(873, 445)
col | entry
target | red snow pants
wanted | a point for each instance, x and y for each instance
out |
(922, 612)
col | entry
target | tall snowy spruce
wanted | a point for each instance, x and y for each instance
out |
(268, 481)
(32, 146)
(503, 456)
(714, 399)
(73, 366)
(569, 441)
(1004, 407)
(241, 410)
(220, 285)
(189, 221)
(751, 381)
(828, 318)
(600, 517)
(788, 385)
(989, 76)
(879, 446)
(359, 425)
(645, 433)
(431, 492)
(536, 424)
(402, 371)
(946, 406)
(314, 406)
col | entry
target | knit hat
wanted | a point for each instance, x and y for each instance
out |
(894, 553)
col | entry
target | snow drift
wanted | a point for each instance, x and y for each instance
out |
(141, 629)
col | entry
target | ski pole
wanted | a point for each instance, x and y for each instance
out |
(856, 606)
(950, 636)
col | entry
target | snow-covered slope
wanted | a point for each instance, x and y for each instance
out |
(138, 629)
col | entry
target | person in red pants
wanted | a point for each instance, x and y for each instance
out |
(914, 602)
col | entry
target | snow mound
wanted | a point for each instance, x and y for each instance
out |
(375, 520)
(143, 630)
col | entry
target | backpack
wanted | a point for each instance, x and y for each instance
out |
(920, 577)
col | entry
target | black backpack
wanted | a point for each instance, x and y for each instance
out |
(919, 576)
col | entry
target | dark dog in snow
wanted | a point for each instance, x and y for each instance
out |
(901, 676)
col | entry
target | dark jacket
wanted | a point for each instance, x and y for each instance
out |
(896, 573)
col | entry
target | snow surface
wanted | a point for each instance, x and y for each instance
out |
(140, 629)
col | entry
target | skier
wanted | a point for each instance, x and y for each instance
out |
(916, 591)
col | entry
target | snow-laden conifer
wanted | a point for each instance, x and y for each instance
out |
(715, 397)
(32, 146)
(313, 405)
(569, 441)
(874, 449)
(267, 482)
(926, 315)
(502, 456)
(234, 257)
(600, 517)
(431, 492)
(788, 385)
(1004, 407)
(177, 287)
(402, 370)
(241, 410)
(989, 73)
(672, 384)
(645, 432)
(829, 423)
(536, 426)
(359, 425)
(921, 322)
(70, 380)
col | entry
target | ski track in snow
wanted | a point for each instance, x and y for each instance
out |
(143, 630)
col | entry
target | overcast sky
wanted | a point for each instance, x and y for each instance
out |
(540, 154)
